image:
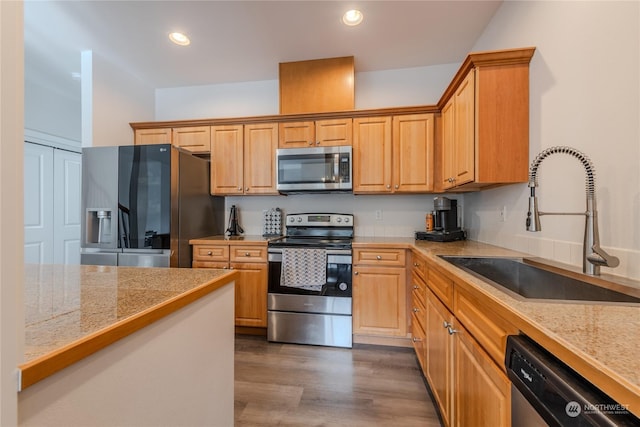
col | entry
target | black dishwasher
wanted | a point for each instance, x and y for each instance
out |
(545, 391)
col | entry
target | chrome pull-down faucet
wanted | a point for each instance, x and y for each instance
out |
(593, 255)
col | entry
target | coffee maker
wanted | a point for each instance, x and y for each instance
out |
(445, 220)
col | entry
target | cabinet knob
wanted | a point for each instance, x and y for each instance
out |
(317, 142)
(396, 186)
(416, 339)
(247, 254)
(416, 287)
(388, 186)
(446, 325)
(310, 142)
(239, 188)
(416, 310)
(230, 268)
(415, 264)
(209, 253)
(355, 273)
(451, 330)
(246, 189)
(378, 257)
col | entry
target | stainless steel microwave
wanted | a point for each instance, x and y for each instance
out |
(321, 169)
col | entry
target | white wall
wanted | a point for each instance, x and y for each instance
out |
(52, 112)
(585, 93)
(392, 88)
(11, 212)
(118, 98)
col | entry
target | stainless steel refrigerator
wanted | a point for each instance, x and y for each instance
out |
(142, 203)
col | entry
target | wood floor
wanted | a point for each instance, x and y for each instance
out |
(299, 385)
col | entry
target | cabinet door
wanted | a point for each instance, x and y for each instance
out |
(334, 132)
(260, 144)
(195, 139)
(227, 159)
(296, 134)
(448, 145)
(251, 294)
(413, 153)
(482, 391)
(439, 355)
(152, 136)
(379, 301)
(372, 155)
(464, 131)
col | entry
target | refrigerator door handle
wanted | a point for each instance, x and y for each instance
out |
(124, 229)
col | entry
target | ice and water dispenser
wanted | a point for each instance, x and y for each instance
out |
(99, 227)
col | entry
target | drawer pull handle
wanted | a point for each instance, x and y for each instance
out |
(416, 310)
(446, 325)
(247, 254)
(451, 330)
(378, 257)
(416, 287)
(355, 273)
(415, 339)
(209, 253)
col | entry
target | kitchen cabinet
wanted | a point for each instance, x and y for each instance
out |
(465, 346)
(485, 122)
(196, 139)
(319, 133)
(152, 136)
(379, 292)
(243, 159)
(250, 261)
(418, 309)
(393, 154)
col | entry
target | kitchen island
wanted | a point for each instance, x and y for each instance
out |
(125, 345)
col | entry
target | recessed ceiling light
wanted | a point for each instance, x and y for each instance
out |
(352, 17)
(179, 39)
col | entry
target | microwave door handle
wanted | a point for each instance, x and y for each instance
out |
(336, 167)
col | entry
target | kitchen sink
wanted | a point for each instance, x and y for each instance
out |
(528, 281)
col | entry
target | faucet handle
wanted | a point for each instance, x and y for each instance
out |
(601, 258)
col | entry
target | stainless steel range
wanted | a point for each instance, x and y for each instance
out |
(309, 300)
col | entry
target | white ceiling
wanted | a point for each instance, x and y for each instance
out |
(234, 41)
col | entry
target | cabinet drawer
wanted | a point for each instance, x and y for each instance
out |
(211, 253)
(419, 265)
(379, 257)
(418, 311)
(210, 264)
(441, 285)
(418, 288)
(248, 254)
(488, 329)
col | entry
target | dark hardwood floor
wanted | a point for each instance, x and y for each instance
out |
(299, 385)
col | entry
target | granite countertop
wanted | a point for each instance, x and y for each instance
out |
(70, 308)
(599, 340)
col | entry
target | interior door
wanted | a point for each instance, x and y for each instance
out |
(51, 205)
(38, 204)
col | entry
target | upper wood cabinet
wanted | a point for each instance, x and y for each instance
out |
(152, 136)
(260, 143)
(393, 155)
(485, 122)
(193, 139)
(319, 133)
(243, 159)
(227, 154)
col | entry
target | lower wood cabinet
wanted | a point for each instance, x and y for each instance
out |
(379, 292)
(250, 287)
(469, 385)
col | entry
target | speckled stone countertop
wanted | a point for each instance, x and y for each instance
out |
(601, 341)
(72, 310)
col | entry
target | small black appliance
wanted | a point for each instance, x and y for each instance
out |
(445, 222)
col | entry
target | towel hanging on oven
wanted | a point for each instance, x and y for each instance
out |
(304, 268)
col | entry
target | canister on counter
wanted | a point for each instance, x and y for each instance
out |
(429, 221)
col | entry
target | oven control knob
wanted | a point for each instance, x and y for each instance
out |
(342, 286)
(291, 219)
(299, 219)
(346, 219)
(338, 219)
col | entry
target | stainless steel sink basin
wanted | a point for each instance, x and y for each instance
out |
(528, 281)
